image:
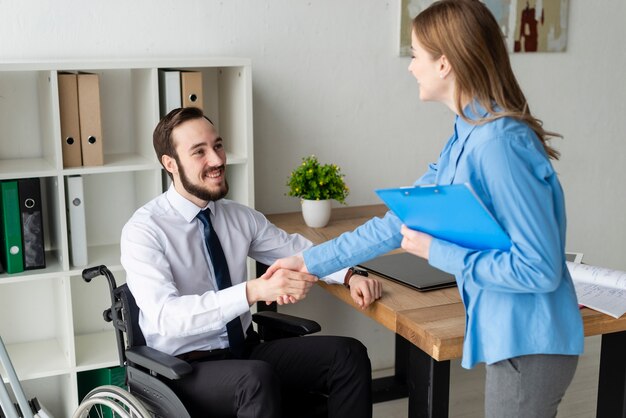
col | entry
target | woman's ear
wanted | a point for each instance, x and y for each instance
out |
(444, 67)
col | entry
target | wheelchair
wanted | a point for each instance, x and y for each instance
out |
(147, 395)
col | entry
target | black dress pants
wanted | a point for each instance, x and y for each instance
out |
(277, 375)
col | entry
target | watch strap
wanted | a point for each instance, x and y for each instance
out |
(351, 272)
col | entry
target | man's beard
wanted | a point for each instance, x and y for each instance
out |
(199, 191)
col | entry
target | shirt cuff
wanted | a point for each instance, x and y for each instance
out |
(446, 256)
(323, 253)
(336, 277)
(233, 301)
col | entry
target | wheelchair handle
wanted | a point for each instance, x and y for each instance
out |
(101, 270)
(113, 313)
(90, 273)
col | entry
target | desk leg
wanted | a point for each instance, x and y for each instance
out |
(612, 381)
(429, 385)
(394, 387)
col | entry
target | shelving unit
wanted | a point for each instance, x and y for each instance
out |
(50, 320)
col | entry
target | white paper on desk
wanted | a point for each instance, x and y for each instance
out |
(600, 288)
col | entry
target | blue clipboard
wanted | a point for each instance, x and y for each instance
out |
(450, 212)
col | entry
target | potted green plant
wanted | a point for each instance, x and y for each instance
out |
(316, 185)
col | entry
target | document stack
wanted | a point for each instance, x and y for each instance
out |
(81, 124)
(21, 225)
(599, 288)
(180, 89)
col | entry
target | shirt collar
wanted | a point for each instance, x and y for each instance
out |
(187, 209)
(473, 111)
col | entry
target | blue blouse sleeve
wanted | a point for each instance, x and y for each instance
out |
(375, 237)
(522, 190)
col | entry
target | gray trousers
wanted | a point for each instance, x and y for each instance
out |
(527, 386)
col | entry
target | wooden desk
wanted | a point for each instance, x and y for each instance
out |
(430, 327)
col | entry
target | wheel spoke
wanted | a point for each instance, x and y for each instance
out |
(104, 400)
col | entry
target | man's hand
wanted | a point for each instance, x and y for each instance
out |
(365, 290)
(282, 283)
(415, 242)
(294, 263)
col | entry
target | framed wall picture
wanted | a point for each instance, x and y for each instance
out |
(527, 25)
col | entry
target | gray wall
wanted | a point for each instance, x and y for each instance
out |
(328, 81)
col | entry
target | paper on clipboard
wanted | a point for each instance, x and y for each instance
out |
(450, 212)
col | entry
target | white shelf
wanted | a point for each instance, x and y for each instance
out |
(50, 319)
(117, 163)
(27, 167)
(91, 64)
(95, 351)
(109, 255)
(53, 269)
(37, 359)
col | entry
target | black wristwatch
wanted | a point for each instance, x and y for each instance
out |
(351, 272)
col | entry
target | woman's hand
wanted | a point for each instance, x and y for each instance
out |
(295, 263)
(415, 242)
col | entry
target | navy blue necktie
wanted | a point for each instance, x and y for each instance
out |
(222, 276)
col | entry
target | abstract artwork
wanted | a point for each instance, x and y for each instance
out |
(527, 25)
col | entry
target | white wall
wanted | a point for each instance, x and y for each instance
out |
(328, 81)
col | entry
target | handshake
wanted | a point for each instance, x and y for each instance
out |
(288, 281)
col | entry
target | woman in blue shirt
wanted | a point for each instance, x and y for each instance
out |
(522, 317)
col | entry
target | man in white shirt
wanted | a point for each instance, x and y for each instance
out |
(188, 309)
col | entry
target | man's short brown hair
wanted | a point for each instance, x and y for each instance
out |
(162, 137)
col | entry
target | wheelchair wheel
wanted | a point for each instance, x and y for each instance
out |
(110, 401)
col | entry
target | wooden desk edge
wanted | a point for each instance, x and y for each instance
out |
(377, 311)
(597, 323)
(440, 326)
(338, 214)
(436, 330)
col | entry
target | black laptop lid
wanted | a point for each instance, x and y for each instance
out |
(415, 272)
(410, 270)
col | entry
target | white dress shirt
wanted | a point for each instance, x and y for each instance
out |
(169, 271)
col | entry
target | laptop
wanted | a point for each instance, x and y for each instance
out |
(410, 270)
(415, 272)
(574, 257)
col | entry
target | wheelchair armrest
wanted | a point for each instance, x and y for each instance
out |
(273, 325)
(156, 361)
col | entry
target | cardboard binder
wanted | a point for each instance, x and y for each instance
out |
(90, 119)
(10, 227)
(29, 191)
(77, 224)
(191, 89)
(70, 127)
(169, 91)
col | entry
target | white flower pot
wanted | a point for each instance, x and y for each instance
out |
(316, 213)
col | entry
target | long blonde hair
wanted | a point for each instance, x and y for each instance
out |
(468, 35)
